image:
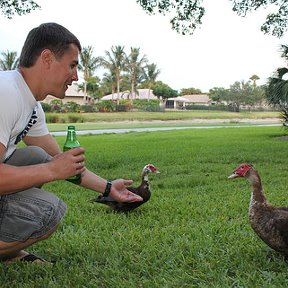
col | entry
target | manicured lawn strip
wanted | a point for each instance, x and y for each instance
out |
(118, 125)
(154, 119)
(194, 231)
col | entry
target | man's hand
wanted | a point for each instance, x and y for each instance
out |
(67, 164)
(120, 194)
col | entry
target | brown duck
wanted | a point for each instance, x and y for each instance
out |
(270, 223)
(142, 190)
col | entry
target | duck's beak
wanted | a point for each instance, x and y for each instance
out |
(233, 176)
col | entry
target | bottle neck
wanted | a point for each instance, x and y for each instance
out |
(71, 135)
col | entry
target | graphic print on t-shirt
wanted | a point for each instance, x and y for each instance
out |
(32, 121)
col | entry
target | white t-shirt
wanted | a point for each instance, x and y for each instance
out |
(20, 113)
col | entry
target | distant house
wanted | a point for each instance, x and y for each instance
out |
(182, 101)
(140, 94)
(72, 94)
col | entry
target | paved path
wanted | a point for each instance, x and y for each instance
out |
(152, 129)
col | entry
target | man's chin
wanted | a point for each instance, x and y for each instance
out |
(58, 96)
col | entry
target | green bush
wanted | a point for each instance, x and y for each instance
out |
(71, 107)
(52, 118)
(105, 106)
(152, 105)
(87, 108)
(46, 107)
(56, 105)
(124, 105)
(75, 118)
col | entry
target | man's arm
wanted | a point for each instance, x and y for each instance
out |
(18, 178)
(46, 142)
(89, 179)
(119, 192)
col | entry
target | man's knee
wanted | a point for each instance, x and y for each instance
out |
(30, 214)
(29, 155)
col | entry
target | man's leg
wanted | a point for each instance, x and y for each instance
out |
(28, 216)
(14, 250)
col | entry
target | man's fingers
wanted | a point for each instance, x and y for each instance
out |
(134, 198)
(128, 182)
(76, 151)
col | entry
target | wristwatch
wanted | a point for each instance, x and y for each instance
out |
(107, 189)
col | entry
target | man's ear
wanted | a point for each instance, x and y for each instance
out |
(47, 57)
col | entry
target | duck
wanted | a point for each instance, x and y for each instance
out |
(270, 223)
(142, 190)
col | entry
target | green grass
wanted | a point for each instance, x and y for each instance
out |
(155, 119)
(194, 232)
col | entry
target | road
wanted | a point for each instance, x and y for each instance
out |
(153, 129)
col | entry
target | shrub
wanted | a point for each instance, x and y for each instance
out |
(52, 118)
(105, 106)
(87, 108)
(124, 105)
(152, 105)
(46, 107)
(72, 107)
(56, 105)
(75, 118)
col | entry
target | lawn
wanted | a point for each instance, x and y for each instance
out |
(194, 231)
(152, 119)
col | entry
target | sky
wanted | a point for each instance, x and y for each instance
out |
(226, 48)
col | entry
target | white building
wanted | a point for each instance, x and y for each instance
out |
(72, 94)
(182, 101)
(140, 94)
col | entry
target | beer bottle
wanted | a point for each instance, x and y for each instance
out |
(70, 143)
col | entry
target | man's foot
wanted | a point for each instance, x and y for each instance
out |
(33, 259)
(25, 257)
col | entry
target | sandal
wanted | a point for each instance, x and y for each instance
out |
(27, 258)
(32, 258)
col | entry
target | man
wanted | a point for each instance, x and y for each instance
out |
(48, 65)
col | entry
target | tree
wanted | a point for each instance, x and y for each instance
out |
(188, 13)
(276, 91)
(151, 73)
(8, 60)
(243, 93)
(134, 66)
(115, 63)
(92, 86)
(163, 91)
(88, 64)
(20, 7)
(276, 23)
(254, 78)
(218, 94)
(190, 91)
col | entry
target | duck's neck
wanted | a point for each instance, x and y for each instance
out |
(144, 176)
(257, 190)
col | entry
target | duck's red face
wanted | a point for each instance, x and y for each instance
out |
(240, 171)
(151, 168)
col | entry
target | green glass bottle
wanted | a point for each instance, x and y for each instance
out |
(70, 143)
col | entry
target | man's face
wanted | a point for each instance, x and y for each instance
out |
(63, 72)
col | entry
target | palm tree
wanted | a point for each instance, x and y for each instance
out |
(88, 64)
(150, 75)
(135, 68)
(254, 78)
(276, 91)
(109, 84)
(9, 60)
(115, 63)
